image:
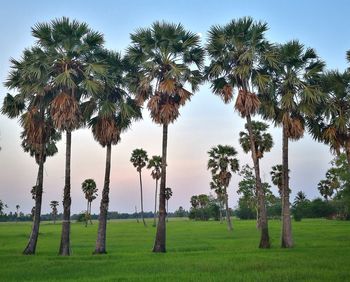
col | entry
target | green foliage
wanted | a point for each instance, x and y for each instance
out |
(204, 207)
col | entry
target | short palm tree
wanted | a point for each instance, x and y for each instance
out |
(276, 177)
(300, 198)
(90, 190)
(139, 159)
(238, 55)
(219, 191)
(222, 163)
(71, 46)
(54, 212)
(166, 57)
(293, 95)
(168, 195)
(155, 163)
(109, 113)
(263, 143)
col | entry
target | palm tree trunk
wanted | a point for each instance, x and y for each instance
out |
(167, 210)
(287, 240)
(143, 219)
(65, 235)
(102, 221)
(137, 215)
(264, 238)
(159, 244)
(90, 214)
(87, 214)
(221, 208)
(155, 205)
(31, 246)
(228, 217)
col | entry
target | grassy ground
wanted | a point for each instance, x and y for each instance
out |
(196, 251)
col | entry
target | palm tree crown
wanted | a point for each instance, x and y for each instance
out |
(263, 140)
(139, 159)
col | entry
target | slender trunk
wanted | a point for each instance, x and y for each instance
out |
(159, 244)
(90, 214)
(102, 221)
(155, 205)
(287, 239)
(167, 210)
(137, 216)
(228, 217)
(264, 238)
(87, 214)
(143, 219)
(31, 246)
(221, 217)
(54, 219)
(65, 235)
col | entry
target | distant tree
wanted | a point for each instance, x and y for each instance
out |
(325, 189)
(222, 162)
(168, 195)
(2, 207)
(220, 194)
(155, 163)
(180, 212)
(54, 205)
(90, 191)
(139, 160)
(194, 201)
(204, 207)
(300, 198)
(17, 212)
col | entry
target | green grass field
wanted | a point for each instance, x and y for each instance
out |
(196, 251)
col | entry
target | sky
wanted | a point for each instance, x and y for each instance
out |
(204, 122)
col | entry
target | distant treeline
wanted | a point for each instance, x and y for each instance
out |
(111, 215)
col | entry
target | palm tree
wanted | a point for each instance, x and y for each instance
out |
(90, 191)
(300, 198)
(30, 77)
(139, 160)
(331, 123)
(54, 205)
(276, 177)
(168, 195)
(263, 143)
(221, 163)
(294, 94)
(165, 58)
(325, 188)
(109, 113)
(194, 202)
(238, 55)
(2, 207)
(219, 191)
(17, 212)
(71, 46)
(155, 163)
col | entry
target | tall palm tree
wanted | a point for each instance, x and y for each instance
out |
(71, 46)
(331, 124)
(139, 159)
(168, 195)
(221, 163)
(30, 78)
(166, 57)
(293, 95)
(90, 190)
(54, 205)
(238, 55)
(109, 113)
(155, 163)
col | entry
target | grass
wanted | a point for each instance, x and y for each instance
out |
(196, 251)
